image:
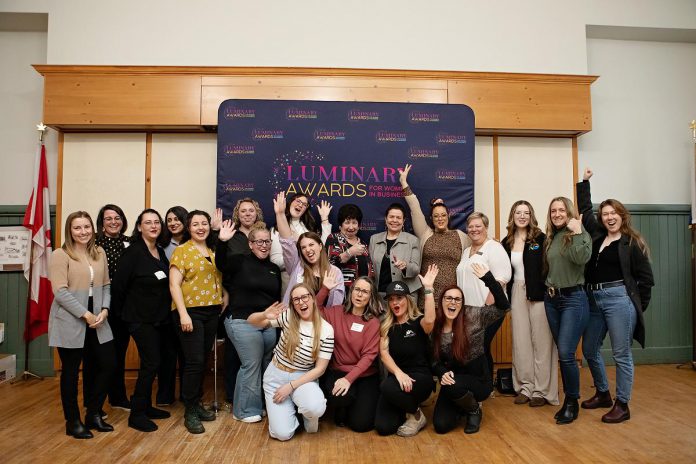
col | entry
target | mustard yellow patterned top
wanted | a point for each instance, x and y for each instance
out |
(202, 284)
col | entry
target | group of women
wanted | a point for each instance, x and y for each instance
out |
(316, 319)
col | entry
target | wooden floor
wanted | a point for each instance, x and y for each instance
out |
(662, 429)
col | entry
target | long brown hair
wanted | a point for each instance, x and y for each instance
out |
(69, 243)
(626, 226)
(551, 229)
(374, 306)
(460, 338)
(324, 265)
(533, 230)
(292, 333)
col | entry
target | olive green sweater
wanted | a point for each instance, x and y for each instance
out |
(567, 264)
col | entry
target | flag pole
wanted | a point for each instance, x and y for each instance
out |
(28, 374)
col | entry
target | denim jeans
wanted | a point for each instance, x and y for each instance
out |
(611, 310)
(255, 348)
(567, 316)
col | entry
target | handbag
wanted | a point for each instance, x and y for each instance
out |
(503, 381)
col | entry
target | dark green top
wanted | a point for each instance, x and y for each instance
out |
(567, 264)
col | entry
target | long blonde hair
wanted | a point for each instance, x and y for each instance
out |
(551, 229)
(389, 320)
(292, 333)
(69, 243)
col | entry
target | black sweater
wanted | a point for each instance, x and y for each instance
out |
(533, 260)
(140, 286)
(252, 283)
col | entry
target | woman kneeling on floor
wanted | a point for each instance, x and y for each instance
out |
(458, 354)
(290, 382)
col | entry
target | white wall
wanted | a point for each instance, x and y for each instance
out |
(640, 146)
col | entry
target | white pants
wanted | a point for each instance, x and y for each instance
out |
(534, 354)
(308, 398)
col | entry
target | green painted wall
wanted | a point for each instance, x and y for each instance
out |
(668, 320)
(13, 300)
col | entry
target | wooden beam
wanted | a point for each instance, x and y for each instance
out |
(148, 170)
(496, 188)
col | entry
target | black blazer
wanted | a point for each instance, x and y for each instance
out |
(533, 260)
(140, 286)
(635, 266)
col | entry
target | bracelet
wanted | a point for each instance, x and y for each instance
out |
(428, 291)
(407, 190)
(291, 385)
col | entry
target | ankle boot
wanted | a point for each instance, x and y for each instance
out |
(191, 420)
(204, 414)
(76, 429)
(599, 400)
(568, 412)
(95, 421)
(618, 413)
(467, 403)
(473, 420)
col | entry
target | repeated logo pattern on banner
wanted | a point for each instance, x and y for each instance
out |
(346, 152)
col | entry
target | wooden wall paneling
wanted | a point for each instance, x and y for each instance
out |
(59, 193)
(83, 99)
(212, 96)
(148, 170)
(511, 106)
(496, 189)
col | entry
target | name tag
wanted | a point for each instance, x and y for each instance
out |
(160, 275)
(126, 244)
(357, 327)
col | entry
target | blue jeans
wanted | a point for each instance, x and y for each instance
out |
(255, 348)
(611, 310)
(567, 316)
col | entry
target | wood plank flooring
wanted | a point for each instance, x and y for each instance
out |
(662, 429)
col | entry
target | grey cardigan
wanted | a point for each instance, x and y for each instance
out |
(406, 248)
(70, 282)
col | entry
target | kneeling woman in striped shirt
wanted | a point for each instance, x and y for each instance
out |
(299, 359)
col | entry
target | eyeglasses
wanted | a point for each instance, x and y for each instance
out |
(439, 216)
(302, 203)
(152, 223)
(302, 298)
(361, 291)
(260, 242)
(453, 299)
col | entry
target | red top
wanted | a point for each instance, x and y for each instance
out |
(356, 341)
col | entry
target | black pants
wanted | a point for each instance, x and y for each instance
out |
(98, 370)
(447, 414)
(170, 352)
(117, 387)
(231, 368)
(359, 405)
(196, 346)
(148, 339)
(394, 403)
(491, 330)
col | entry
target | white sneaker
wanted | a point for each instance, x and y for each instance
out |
(311, 425)
(248, 419)
(412, 425)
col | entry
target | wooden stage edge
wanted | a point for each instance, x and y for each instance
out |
(662, 429)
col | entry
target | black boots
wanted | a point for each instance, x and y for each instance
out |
(138, 418)
(76, 429)
(204, 414)
(472, 411)
(95, 421)
(599, 400)
(618, 413)
(191, 420)
(568, 412)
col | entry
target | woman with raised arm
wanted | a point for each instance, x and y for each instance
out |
(197, 298)
(619, 280)
(404, 350)
(395, 253)
(566, 251)
(351, 384)
(302, 355)
(439, 244)
(304, 258)
(534, 355)
(78, 326)
(490, 253)
(345, 248)
(111, 228)
(140, 295)
(253, 283)
(458, 353)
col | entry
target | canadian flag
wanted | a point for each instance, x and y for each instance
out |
(37, 219)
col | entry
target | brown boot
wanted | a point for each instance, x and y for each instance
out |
(599, 400)
(618, 413)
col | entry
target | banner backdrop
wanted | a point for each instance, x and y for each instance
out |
(346, 152)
